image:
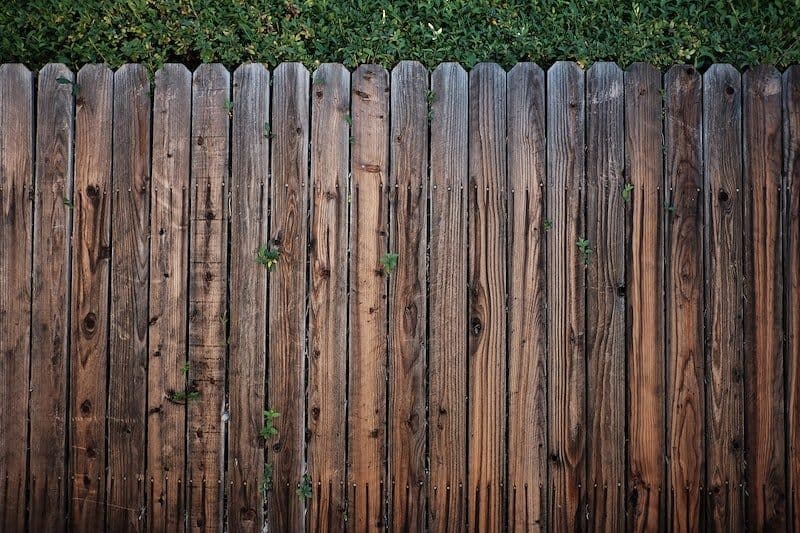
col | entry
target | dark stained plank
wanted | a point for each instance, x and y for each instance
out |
(791, 269)
(16, 238)
(605, 298)
(130, 260)
(683, 280)
(287, 310)
(407, 308)
(565, 289)
(447, 303)
(487, 293)
(208, 308)
(527, 299)
(763, 322)
(327, 320)
(369, 210)
(645, 291)
(169, 267)
(91, 269)
(248, 289)
(722, 136)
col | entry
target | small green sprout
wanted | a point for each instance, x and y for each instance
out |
(548, 224)
(67, 202)
(389, 262)
(626, 192)
(185, 396)
(268, 257)
(187, 366)
(585, 249)
(349, 119)
(669, 207)
(304, 487)
(269, 430)
(229, 106)
(266, 479)
(268, 131)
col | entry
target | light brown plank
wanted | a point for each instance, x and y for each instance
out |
(763, 286)
(645, 290)
(91, 268)
(369, 210)
(327, 321)
(287, 310)
(487, 295)
(407, 309)
(527, 299)
(447, 297)
(169, 267)
(722, 142)
(208, 308)
(248, 289)
(130, 259)
(16, 238)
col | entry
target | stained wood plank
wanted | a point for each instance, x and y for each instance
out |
(16, 238)
(208, 306)
(447, 298)
(487, 294)
(791, 253)
(169, 267)
(566, 286)
(407, 309)
(327, 321)
(763, 286)
(527, 299)
(605, 298)
(684, 310)
(91, 269)
(722, 142)
(130, 259)
(248, 289)
(369, 210)
(645, 289)
(287, 311)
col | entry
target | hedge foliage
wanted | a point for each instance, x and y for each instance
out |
(662, 32)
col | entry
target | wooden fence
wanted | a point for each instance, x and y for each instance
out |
(593, 322)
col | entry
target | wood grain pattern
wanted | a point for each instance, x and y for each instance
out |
(527, 299)
(487, 295)
(645, 290)
(287, 310)
(447, 298)
(91, 270)
(130, 260)
(169, 266)
(52, 232)
(16, 238)
(722, 136)
(683, 278)
(248, 302)
(763, 289)
(407, 302)
(566, 295)
(369, 210)
(208, 302)
(327, 321)
(605, 298)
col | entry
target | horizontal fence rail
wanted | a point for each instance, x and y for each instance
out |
(409, 300)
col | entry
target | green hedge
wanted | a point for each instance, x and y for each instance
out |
(313, 31)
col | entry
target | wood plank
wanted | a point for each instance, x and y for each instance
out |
(683, 278)
(605, 296)
(91, 270)
(369, 210)
(327, 320)
(763, 286)
(169, 267)
(527, 299)
(16, 238)
(791, 269)
(130, 259)
(248, 304)
(566, 287)
(208, 307)
(487, 294)
(408, 209)
(447, 298)
(722, 141)
(287, 310)
(645, 290)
